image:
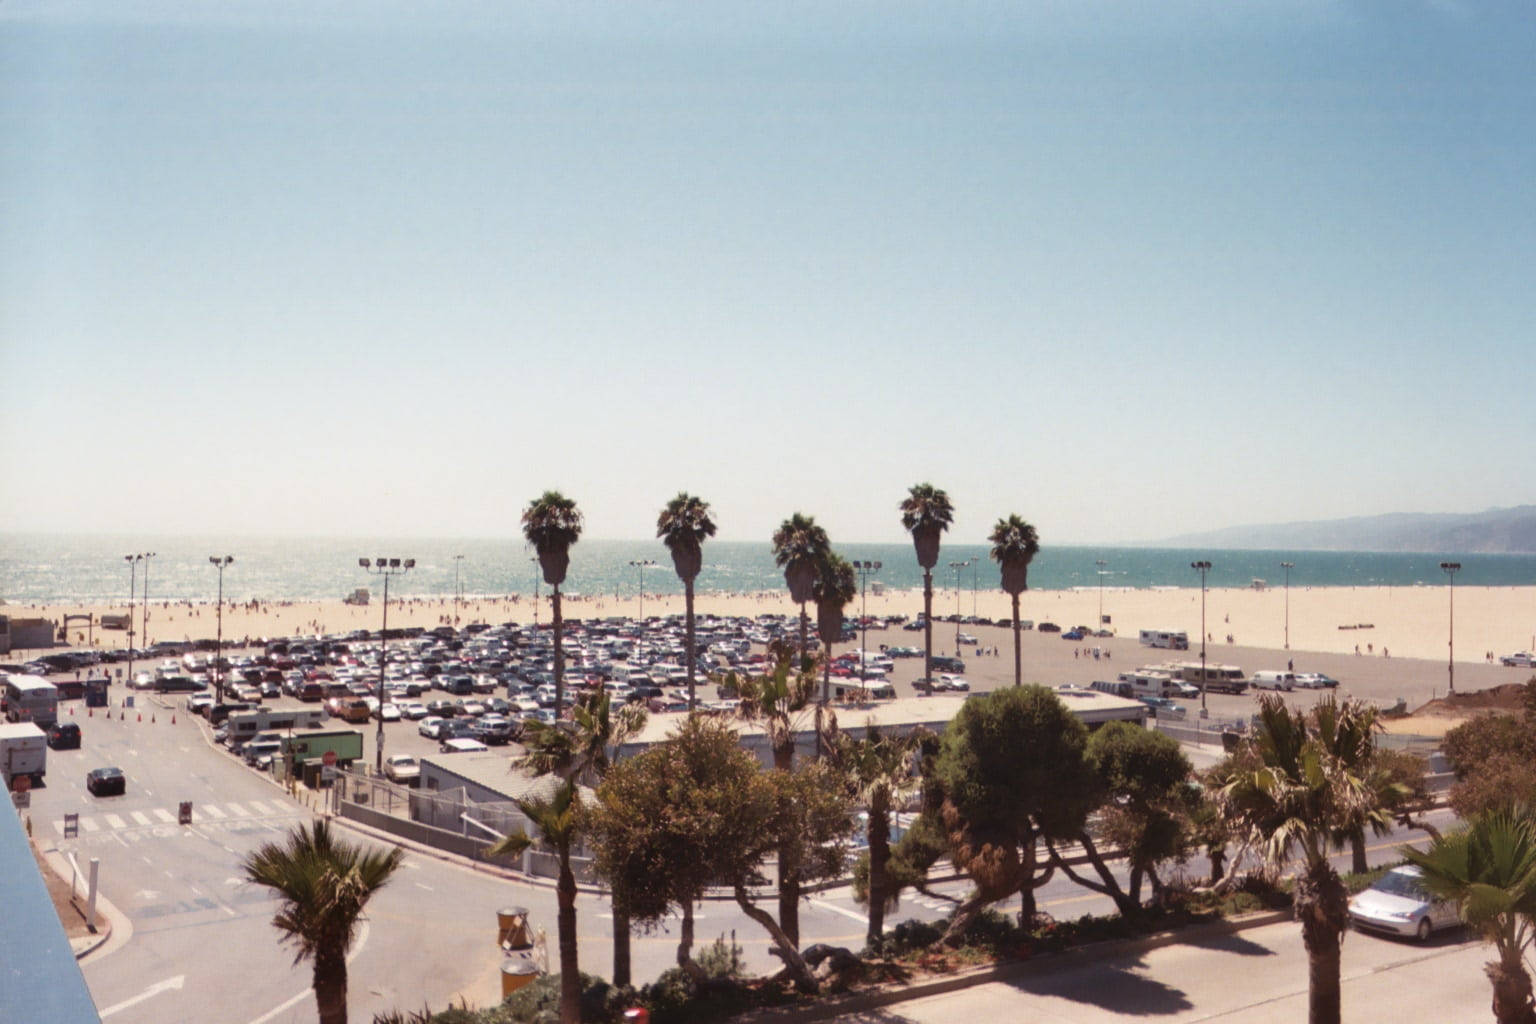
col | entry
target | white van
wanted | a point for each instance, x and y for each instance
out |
(1274, 681)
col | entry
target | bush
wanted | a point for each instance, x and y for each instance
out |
(912, 934)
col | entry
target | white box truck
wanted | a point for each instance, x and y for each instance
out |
(23, 752)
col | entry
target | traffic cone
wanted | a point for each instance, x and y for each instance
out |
(90, 712)
(141, 716)
(151, 718)
(173, 719)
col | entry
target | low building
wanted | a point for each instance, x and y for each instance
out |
(25, 634)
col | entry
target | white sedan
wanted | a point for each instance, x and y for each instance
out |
(428, 726)
(389, 713)
(414, 710)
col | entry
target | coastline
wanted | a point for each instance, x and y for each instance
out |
(1399, 622)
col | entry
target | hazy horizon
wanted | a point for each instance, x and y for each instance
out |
(1130, 272)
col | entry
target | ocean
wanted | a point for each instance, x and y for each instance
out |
(90, 569)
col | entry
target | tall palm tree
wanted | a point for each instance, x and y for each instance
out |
(1490, 868)
(879, 768)
(578, 751)
(925, 513)
(1014, 546)
(324, 884)
(683, 526)
(552, 523)
(558, 821)
(1304, 799)
(799, 545)
(835, 586)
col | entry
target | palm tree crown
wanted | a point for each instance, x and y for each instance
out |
(799, 545)
(835, 586)
(926, 512)
(552, 523)
(1014, 545)
(683, 526)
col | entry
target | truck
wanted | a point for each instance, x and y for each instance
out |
(30, 699)
(23, 753)
(244, 725)
(305, 753)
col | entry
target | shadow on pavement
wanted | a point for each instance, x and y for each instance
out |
(1115, 990)
(1234, 943)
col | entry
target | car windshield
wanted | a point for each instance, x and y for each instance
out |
(1400, 883)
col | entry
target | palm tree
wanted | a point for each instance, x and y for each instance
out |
(578, 750)
(552, 524)
(1304, 798)
(683, 526)
(834, 588)
(879, 768)
(926, 513)
(1014, 546)
(1489, 867)
(799, 545)
(324, 884)
(557, 819)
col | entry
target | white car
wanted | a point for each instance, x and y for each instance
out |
(389, 713)
(1398, 904)
(402, 768)
(413, 710)
(428, 726)
(951, 682)
(1520, 659)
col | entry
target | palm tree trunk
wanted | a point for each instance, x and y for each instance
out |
(928, 624)
(570, 972)
(1358, 863)
(330, 982)
(879, 858)
(693, 702)
(1018, 650)
(1322, 904)
(621, 971)
(804, 621)
(559, 654)
(1511, 989)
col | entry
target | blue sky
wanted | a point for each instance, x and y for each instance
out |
(1127, 269)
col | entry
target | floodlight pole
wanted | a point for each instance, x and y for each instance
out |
(1451, 569)
(1202, 567)
(865, 570)
(133, 567)
(1287, 566)
(385, 567)
(640, 565)
(218, 644)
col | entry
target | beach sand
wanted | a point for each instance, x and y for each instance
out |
(1400, 622)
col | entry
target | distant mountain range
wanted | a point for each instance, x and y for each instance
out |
(1496, 531)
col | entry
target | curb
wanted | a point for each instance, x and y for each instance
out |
(874, 999)
(111, 921)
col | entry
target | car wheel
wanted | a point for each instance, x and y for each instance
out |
(1423, 932)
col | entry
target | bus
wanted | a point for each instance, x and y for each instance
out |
(31, 699)
(1165, 638)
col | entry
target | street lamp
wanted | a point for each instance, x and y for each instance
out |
(865, 570)
(133, 567)
(385, 567)
(957, 566)
(640, 566)
(1202, 568)
(218, 644)
(458, 593)
(535, 562)
(144, 637)
(1287, 566)
(1101, 564)
(1451, 569)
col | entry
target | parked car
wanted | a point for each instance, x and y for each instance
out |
(402, 768)
(429, 726)
(1073, 634)
(1520, 659)
(951, 683)
(1398, 904)
(1048, 627)
(63, 736)
(1163, 707)
(414, 710)
(389, 713)
(106, 782)
(462, 745)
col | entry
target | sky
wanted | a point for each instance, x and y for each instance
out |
(1127, 269)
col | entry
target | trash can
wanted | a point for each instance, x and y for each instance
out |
(512, 928)
(516, 974)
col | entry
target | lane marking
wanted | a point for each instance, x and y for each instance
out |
(261, 808)
(839, 910)
(140, 817)
(236, 810)
(89, 825)
(164, 815)
(212, 811)
(153, 990)
(357, 947)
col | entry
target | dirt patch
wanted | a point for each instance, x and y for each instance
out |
(70, 916)
(1446, 713)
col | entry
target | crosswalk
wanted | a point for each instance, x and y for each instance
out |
(228, 812)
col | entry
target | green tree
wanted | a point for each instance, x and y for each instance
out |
(577, 751)
(1012, 771)
(799, 546)
(1494, 758)
(552, 523)
(834, 588)
(926, 513)
(1014, 546)
(880, 771)
(683, 526)
(1304, 800)
(1489, 867)
(324, 884)
(557, 820)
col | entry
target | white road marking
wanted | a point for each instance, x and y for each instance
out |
(357, 947)
(153, 990)
(164, 815)
(855, 915)
(113, 821)
(426, 887)
(89, 825)
(212, 811)
(261, 808)
(140, 817)
(237, 810)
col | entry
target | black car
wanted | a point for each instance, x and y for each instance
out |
(1049, 627)
(64, 736)
(106, 782)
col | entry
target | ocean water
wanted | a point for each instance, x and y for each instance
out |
(90, 568)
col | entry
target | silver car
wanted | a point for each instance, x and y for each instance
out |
(1398, 904)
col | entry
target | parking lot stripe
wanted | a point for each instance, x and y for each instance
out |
(237, 810)
(140, 817)
(212, 811)
(164, 815)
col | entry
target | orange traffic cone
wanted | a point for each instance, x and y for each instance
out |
(141, 716)
(173, 719)
(90, 712)
(151, 718)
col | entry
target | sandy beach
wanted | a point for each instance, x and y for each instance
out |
(1382, 622)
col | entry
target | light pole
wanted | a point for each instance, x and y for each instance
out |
(1202, 568)
(1287, 566)
(458, 593)
(133, 568)
(957, 566)
(218, 644)
(535, 562)
(1451, 569)
(385, 567)
(1101, 563)
(144, 636)
(865, 570)
(640, 566)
